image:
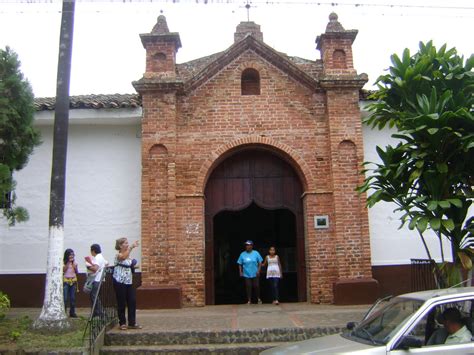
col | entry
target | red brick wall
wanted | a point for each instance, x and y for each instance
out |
(339, 59)
(161, 57)
(331, 54)
(351, 232)
(333, 44)
(186, 135)
(321, 262)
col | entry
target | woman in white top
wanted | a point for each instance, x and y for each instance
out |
(274, 272)
(123, 284)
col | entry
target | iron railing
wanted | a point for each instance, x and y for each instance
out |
(424, 275)
(106, 311)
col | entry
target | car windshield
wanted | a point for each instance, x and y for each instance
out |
(384, 323)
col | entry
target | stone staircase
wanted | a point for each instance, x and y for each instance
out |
(248, 341)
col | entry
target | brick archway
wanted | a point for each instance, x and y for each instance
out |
(253, 175)
(282, 150)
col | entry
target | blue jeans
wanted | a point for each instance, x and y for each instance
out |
(70, 295)
(274, 282)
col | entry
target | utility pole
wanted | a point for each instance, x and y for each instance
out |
(53, 315)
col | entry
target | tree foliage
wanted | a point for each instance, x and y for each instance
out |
(18, 137)
(428, 98)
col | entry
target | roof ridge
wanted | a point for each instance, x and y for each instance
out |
(107, 101)
(249, 43)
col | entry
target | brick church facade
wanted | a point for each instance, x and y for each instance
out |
(251, 143)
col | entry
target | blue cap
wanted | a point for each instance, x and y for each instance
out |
(248, 242)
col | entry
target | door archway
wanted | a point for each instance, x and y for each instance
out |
(251, 183)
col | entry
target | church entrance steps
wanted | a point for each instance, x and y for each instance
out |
(212, 342)
(214, 349)
(228, 329)
(217, 337)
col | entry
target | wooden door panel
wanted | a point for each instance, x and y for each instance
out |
(209, 260)
(301, 262)
(265, 179)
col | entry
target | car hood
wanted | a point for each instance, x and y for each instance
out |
(331, 344)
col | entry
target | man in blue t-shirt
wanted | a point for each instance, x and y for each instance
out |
(250, 262)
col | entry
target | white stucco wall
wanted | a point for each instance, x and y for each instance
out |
(103, 195)
(104, 198)
(389, 245)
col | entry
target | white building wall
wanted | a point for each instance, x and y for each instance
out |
(390, 245)
(103, 196)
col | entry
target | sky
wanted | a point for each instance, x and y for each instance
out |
(108, 54)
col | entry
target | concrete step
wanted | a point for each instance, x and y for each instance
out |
(150, 338)
(198, 349)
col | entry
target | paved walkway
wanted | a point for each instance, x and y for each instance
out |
(247, 317)
(236, 317)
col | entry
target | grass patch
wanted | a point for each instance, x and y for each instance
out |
(16, 333)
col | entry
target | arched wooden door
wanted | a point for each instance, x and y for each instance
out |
(253, 177)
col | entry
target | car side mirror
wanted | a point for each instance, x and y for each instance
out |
(408, 342)
(351, 325)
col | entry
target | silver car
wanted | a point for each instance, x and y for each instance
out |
(406, 324)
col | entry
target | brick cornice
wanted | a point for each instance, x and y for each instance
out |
(157, 84)
(150, 38)
(99, 102)
(190, 195)
(343, 81)
(346, 34)
(317, 192)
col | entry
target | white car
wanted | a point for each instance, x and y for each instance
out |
(400, 325)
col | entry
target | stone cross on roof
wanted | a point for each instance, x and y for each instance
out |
(247, 6)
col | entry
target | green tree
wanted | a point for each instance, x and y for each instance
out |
(18, 137)
(428, 98)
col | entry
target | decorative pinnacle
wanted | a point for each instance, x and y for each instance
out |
(161, 27)
(334, 25)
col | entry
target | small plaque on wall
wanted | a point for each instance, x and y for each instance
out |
(321, 222)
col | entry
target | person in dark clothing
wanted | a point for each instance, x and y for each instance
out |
(123, 284)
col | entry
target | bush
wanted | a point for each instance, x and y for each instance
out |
(4, 304)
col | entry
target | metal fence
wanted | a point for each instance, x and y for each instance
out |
(106, 309)
(423, 275)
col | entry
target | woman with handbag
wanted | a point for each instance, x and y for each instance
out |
(123, 284)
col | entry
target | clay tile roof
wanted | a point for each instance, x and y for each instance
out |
(313, 67)
(189, 69)
(364, 95)
(92, 102)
